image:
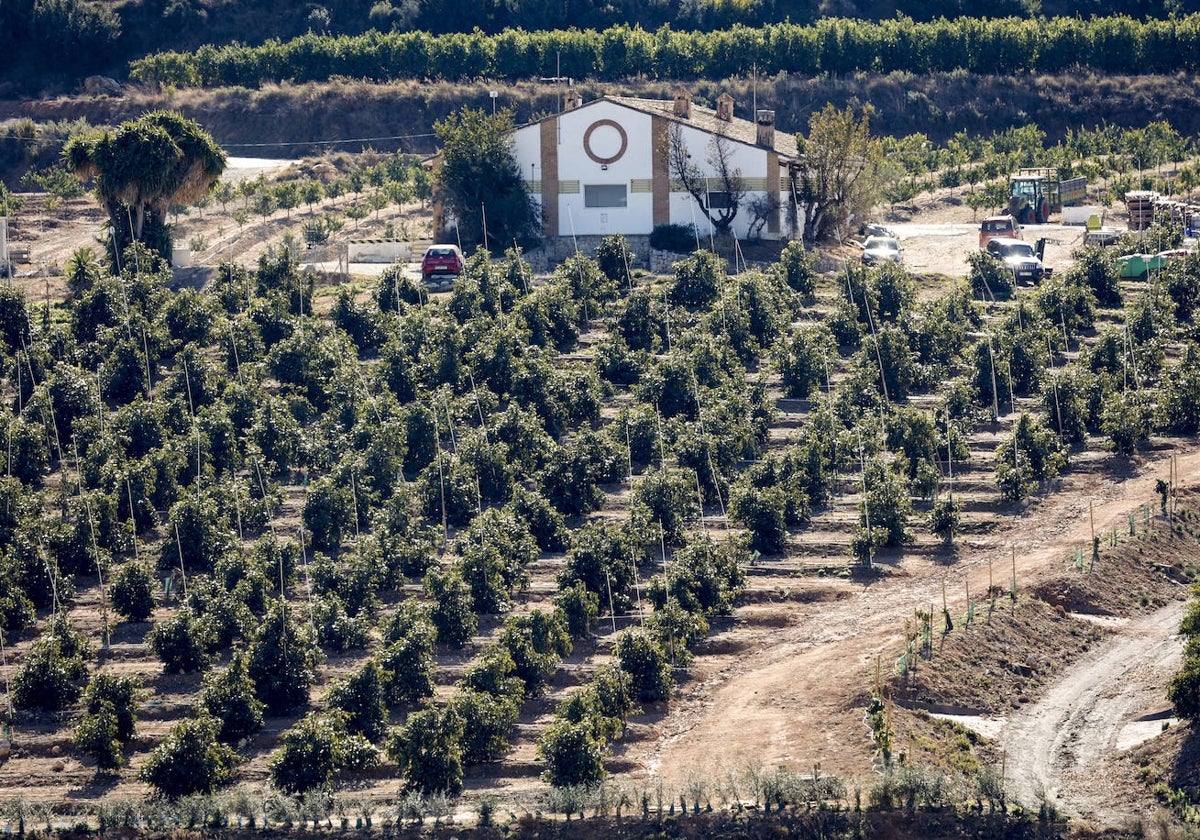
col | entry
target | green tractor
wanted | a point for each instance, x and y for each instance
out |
(1029, 199)
(1036, 193)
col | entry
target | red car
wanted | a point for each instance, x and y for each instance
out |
(441, 262)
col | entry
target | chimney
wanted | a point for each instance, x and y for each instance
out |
(683, 104)
(725, 107)
(766, 129)
(571, 100)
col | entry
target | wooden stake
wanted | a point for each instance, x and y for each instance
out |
(1092, 517)
(1014, 576)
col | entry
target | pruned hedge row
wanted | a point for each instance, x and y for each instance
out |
(833, 45)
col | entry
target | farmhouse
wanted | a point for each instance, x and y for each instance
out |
(607, 167)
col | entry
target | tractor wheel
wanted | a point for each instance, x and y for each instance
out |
(1043, 212)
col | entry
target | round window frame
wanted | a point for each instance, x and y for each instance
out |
(587, 141)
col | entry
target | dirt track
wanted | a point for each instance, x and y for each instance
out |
(1057, 746)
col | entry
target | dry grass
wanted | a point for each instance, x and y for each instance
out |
(400, 115)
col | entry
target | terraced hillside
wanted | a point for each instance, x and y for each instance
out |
(718, 481)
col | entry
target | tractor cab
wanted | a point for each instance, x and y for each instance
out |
(1029, 199)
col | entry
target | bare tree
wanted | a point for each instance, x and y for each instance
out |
(720, 207)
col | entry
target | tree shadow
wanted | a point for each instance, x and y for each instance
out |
(1185, 773)
(97, 787)
(945, 554)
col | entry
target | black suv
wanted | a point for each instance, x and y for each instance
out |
(1019, 257)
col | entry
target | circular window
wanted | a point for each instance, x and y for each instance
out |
(605, 141)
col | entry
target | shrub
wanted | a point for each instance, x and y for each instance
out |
(118, 694)
(604, 560)
(1180, 394)
(668, 498)
(198, 534)
(1184, 689)
(944, 518)
(886, 506)
(328, 514)
(698, 280)
(580, 608)
(360, 697)
(336, 631)
(494, 674)
(51, 677)
(132, 592)
(536, 642)
(189, 760)
(1032, 454)
(452, 613)
(487, 720)
(798, 267)
(281, 660)
(541, 519)
(679, 239)
(602, 703)
(407, 667)
(989, 279)
(572, 754)
(1127, 418)
(1096, 268)
(763, 512)
(315, 750)
(705, 577)
(96, 735)
(804, 362)
(646, 663)
(673, 626)
(615, 260)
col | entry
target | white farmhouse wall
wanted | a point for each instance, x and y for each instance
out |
(752, 163)
(575, 166)
(527, 148)
(587, 151)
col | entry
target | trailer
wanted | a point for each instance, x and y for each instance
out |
(1035, 193)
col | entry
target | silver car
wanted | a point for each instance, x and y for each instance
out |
(880, 249)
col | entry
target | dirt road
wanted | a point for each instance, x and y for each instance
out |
(941, 247)
(1056, 746)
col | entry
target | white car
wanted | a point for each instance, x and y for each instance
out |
(880, 249)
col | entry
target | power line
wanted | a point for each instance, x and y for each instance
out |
(31, 141)
(324, 142)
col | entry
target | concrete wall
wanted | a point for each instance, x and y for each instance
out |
(378, 250)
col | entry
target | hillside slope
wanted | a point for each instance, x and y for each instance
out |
(288, 120)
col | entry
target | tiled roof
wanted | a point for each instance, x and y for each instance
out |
(705, 119)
